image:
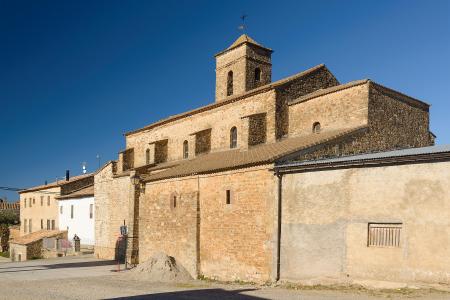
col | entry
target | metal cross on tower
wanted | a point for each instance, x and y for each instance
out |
(242, 26)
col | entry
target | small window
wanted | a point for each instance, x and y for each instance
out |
(384, 235)
(48, 224)
(185, 149)
(53, 224)
(25, 225)
(147, 156)
(25, 202)
(257, 75)
(42, 200)
(48, 200)
(228, 195)
(34, 200)
(91, 211)
(29, 202)
(233, 137)
(30, 226)
(42, 223)
(71, 211)
(174, 201)
(61, 209)
(230, 83)
(316, 127)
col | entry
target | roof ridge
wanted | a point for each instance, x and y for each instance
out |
(329, 90)
(231, 99)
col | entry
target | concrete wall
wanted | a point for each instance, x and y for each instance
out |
(326, 216)
(45, 210)
(81, 224)
(111, 209)
(225, 241)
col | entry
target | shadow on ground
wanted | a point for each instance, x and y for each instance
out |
(26, 268)
(197, 294)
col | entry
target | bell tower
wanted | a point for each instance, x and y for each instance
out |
(243, 66)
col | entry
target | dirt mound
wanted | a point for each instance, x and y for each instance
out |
(161, 268)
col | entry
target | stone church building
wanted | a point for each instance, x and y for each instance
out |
(206, 186)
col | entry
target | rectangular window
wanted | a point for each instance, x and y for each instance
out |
(71, 211)
(48, 200)
(228, 197)
(42, 223)
(91, 211)
(30, 226)
(257, 129)
(25, 227)
(34, 200)
(384, 235)
(161, 148)
(53, 224)
(25, 202)
(29, 202)
(42, 200)
(61, 210)
(128, 159)
(48, 224)
(203, 142)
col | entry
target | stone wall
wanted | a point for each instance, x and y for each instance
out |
(320, 79)
(220, 120)
(170, 229)
(112, 195)
(326, 216)
(342, 109)
(231, 241)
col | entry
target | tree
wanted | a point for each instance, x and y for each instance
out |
(7, 217)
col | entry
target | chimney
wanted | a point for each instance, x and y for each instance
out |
(67, 175)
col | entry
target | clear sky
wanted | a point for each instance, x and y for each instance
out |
(76, 75)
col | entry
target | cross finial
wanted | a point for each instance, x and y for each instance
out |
(242, 26)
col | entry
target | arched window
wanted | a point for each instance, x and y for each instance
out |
(147, 156)
(257, 75)
(185, 149)
(316, 127)
(233, 137)
(230, 83)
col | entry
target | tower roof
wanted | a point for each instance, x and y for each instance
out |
(244, 39)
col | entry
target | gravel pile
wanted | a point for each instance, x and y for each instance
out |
(161, 268)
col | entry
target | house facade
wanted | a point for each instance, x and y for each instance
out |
(76, 214)
(200, 185)
(39, 205)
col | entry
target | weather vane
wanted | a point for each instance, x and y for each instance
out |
(242, 26)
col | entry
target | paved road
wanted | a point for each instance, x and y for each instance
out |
(56, 268)
(89, 278)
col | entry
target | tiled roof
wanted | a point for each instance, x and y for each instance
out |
(55, 183)
(35, 236)
(413, 153)
(81, 193)
(257, 155)
(229, 100)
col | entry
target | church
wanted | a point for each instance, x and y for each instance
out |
(300, 178)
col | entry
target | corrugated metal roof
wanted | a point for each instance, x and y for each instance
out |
(371, 156)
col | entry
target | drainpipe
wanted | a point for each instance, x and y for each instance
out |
(280, 185)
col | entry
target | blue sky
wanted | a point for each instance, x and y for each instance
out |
(76, 75)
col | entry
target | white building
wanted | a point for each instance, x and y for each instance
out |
(76, 214)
